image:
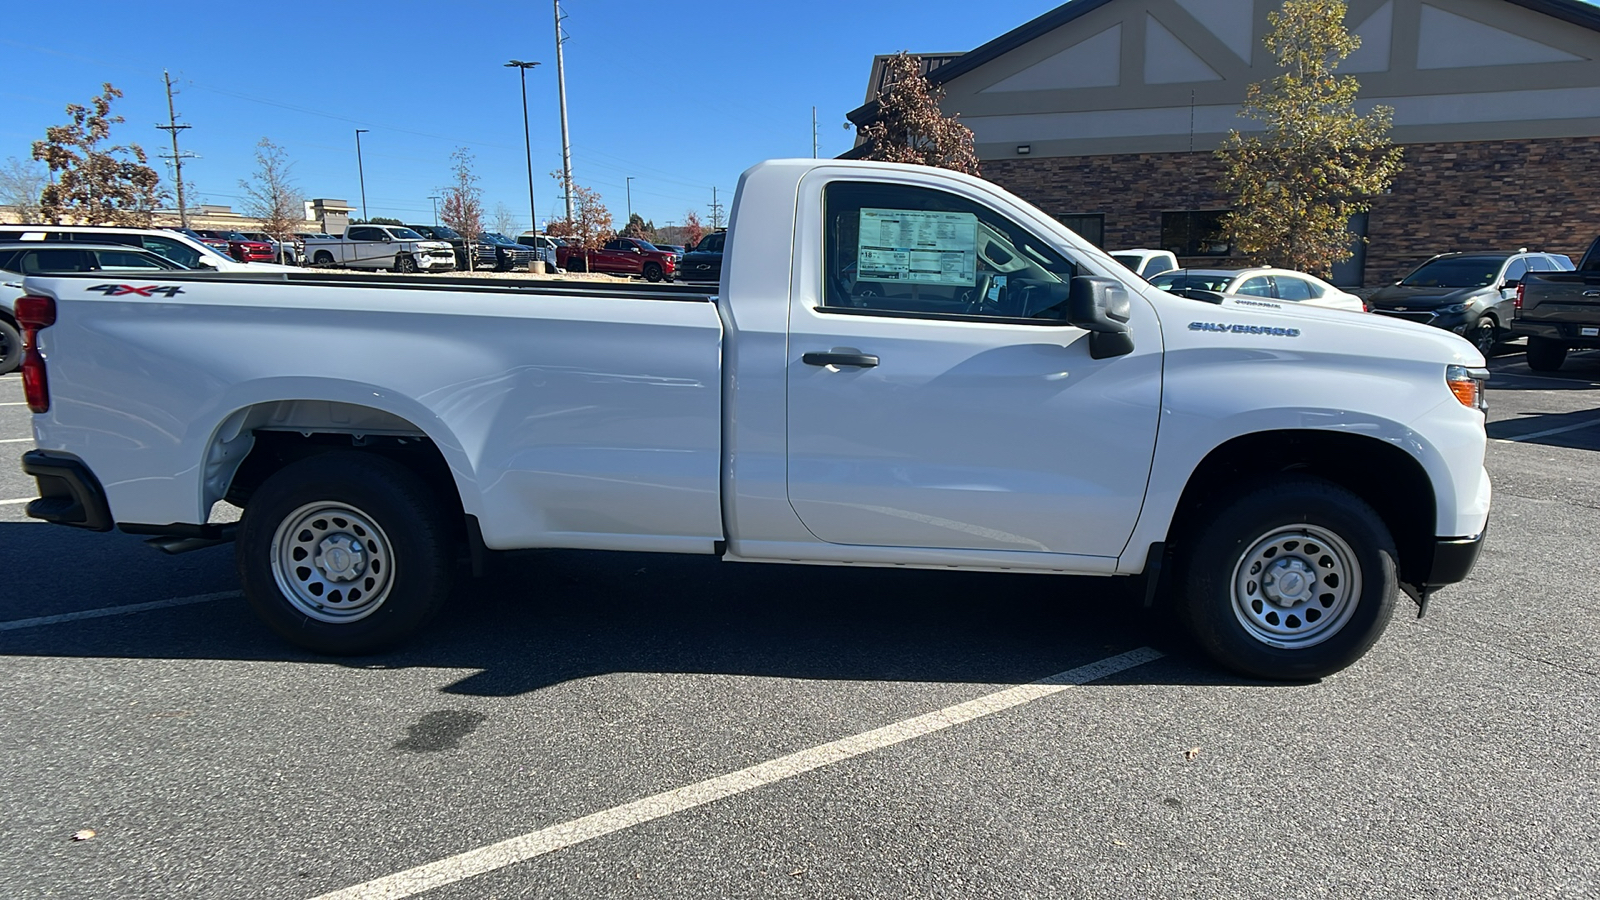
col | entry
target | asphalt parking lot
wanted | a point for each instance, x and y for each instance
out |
(592, 725)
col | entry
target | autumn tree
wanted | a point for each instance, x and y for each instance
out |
(271, 194)
(96, 184)
(463, 200)
(1318, 161)
(21, 184)
(910, 127)
(693, 230)
(590, 225)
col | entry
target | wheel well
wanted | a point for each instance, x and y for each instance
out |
(1390, 480)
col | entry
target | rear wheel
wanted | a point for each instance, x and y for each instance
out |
(1295, 579)
(10, 348)
(344, 553)
(323, 258)
(1546, 355)
(652, 272)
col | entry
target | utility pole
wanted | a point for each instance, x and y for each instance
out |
(716, 209)
(566, 143)
(435, 199)
(361, 172)
(172, 127)
(813, 132)
(629, 187)
(527, 142)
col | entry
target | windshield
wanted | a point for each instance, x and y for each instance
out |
(495, 237)
(1456, 272)
(646, 245)
(1173, 281)
(406, 234)
(439, 231)
(1131, 262)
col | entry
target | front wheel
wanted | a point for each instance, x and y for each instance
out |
(1545, 355)
(344, 553)
(404, 264)
(652, 272)
(1485, 335)
(10, 348)
(1295, 579)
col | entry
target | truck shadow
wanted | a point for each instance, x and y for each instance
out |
(1581, 372)
(541, 618)
(1584, 433)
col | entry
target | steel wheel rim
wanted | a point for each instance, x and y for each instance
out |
(332, 562)
(1296, 587)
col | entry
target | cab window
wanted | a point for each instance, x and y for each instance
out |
(38, 261)
(1515, 270)
(894, 248)
(115, 260)
(1259, 286)
(1293, 288)
(177, 251)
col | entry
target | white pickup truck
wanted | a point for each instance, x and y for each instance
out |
(391, 247)
(903, 367)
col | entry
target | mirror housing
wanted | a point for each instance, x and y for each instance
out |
(1100, 306)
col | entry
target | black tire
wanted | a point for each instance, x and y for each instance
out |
(1284, 523)
(652, 272)
(404, 264)
(1546, 354)
(371, 509)
(10, 348)
(1485, 335)
(577, 265)
(323, 258)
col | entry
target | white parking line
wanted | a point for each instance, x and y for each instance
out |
(1549, 431)
(18, 624)
(15, 403)
(16, 440)
(15, 502)
(567, 834)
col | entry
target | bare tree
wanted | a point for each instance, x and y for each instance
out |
(910, 127)
(505, 221)
(271, 195)
(21, 184)
(463, 201)
(99, 185)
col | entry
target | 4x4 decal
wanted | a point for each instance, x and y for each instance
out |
(122, 290)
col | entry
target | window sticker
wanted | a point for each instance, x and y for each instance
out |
(908, 245)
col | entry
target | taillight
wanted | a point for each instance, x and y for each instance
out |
(35, 313)
(1518, 304)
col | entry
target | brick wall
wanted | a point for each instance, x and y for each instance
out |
(1483, 195)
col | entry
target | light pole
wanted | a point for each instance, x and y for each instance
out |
(527, 142)
(360, 171)
(629, 187)
(561, 88)
(435, 200)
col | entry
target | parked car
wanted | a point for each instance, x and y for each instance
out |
(481, 254)
(282, 251)
(240, 247)
(22, 258)
(622, 256)
(704, 261)
(1471, 294)
(544, 246)
(216, 243)
(393, 247)
(1145, 263)
(867, 408)
(1559, 311)
(1261, 282)
(508, 254)
(178, 245)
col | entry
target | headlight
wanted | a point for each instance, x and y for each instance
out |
(1468, 386)
(1451, 309)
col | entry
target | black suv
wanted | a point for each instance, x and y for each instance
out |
(1471, 294)
(704, 262)
(481, 254)
(508, 254)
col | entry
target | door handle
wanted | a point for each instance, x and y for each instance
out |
(862, 360)
(1591, 293)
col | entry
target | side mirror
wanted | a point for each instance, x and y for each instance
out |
(1511, 284)
(207, 262)
(1100, 307)
(387, 239)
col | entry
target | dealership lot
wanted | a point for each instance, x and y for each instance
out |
(144, 702)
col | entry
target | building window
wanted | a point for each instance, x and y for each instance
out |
(1194, 233)
(1091, 227)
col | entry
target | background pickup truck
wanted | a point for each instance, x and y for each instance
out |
(1558, 311)
(620, 256)
(392, 247)
(903, 366)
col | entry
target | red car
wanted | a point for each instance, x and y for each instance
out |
(240, 247)
(621, 256)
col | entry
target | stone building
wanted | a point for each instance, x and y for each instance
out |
(1104, 113)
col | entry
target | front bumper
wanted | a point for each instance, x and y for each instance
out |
(1459, 322)
(69, 494)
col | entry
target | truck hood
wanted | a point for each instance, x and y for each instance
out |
(1277, 325)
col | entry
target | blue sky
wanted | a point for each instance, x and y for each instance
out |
(682, 100)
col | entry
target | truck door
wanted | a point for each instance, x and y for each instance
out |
(364, 247)
(936, 396)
